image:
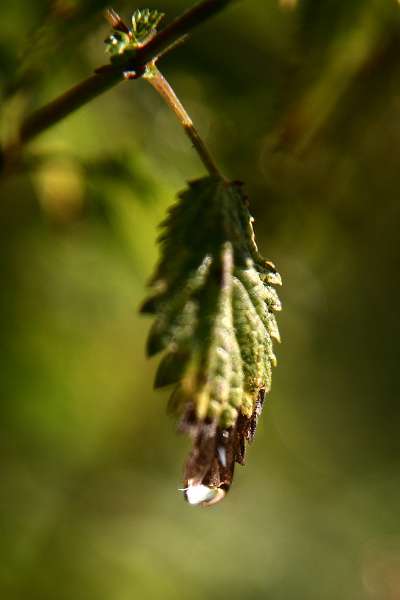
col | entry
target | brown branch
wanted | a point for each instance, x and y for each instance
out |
(108, 76)
(181, 26)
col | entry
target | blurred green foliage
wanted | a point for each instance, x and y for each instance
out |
(300, 100)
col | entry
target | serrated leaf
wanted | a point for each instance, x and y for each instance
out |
(214, 303)
(124, 40)
(171, 369)
(144, 23)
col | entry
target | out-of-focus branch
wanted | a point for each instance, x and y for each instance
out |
(66, 104)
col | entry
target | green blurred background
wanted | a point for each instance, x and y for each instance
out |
(302, 101)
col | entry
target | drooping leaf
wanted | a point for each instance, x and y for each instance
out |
(214, 305)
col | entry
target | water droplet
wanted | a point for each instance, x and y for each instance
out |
(198, 494)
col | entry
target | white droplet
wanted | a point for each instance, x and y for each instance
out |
(199, 494)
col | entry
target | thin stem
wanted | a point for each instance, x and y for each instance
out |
(108, 76)
(161, 85)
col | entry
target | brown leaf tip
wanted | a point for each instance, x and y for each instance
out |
(210, 466)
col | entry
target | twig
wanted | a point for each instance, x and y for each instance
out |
(108, 76)
(181, 26)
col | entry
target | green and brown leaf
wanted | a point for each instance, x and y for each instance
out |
(214, 305)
